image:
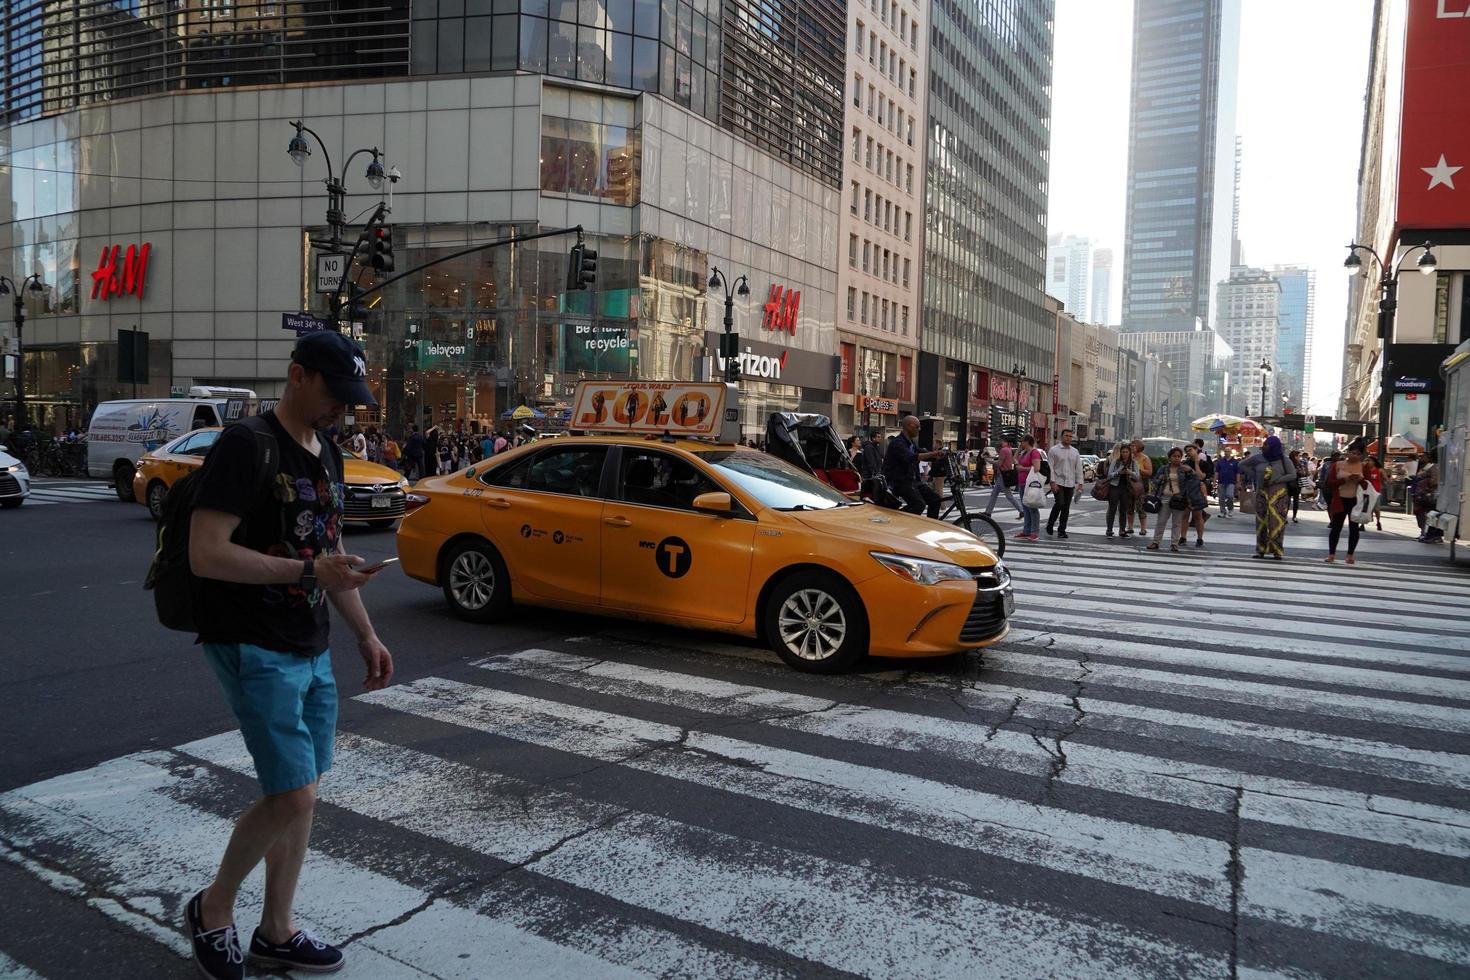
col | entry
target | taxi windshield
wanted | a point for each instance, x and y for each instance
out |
(775, 483)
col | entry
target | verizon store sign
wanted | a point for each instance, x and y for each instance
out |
(761, 361)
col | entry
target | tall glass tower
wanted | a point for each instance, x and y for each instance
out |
(1181, 146)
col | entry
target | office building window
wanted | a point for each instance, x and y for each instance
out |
(867, 254)
(854, 188)
(852, 242)
(864, 318)
(851, 302)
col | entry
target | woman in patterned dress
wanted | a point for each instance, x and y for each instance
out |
(1273, 501)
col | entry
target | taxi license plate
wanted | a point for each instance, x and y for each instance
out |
(1009, 601)
(382, 501)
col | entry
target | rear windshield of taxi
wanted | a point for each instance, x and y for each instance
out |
(773, 482)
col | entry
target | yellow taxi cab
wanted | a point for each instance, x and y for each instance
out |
(704, 535)
(373, 494)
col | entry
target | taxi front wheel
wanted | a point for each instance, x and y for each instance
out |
(816, 623)
(476, 583)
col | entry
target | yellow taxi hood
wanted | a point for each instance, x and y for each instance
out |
(900, 534)
(355, 470)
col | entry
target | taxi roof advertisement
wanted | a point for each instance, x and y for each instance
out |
(652, 407)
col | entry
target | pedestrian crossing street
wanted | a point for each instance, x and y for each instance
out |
(45, 492)
(1173, 766)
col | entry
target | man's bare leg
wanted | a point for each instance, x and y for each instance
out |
(282, 871)
(256, 834)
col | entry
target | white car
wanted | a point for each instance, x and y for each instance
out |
(15, 481)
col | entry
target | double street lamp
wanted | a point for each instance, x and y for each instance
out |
(299, 150)
(729, 340)
(8, 287)
(1388, 286)
(1265, 370)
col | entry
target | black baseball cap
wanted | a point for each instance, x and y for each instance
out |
(340, 361)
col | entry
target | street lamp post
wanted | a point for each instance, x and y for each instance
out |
(1388, 285)
(1020, 375)
(1265, 370)
(730, 341)
(299, 149)
(8, 287)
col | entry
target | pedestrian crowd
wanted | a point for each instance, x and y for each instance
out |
(440, 449)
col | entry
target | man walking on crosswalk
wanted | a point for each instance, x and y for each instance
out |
(1066, 477)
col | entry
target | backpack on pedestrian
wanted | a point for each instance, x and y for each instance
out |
(177, 592)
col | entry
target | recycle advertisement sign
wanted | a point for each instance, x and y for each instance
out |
(601, 343)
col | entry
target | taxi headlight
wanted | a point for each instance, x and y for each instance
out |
(921, 570)
(403, 483)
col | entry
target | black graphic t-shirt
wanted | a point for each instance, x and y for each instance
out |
(301, 517)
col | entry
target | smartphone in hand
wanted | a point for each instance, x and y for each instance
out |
(377, 566)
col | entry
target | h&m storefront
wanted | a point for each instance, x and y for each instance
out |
(203, 179)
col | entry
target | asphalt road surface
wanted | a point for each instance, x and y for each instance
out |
(1189, 764)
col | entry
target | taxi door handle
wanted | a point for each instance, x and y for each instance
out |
(499, 503)
(617, 522)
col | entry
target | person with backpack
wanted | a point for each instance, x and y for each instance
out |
(264, 545)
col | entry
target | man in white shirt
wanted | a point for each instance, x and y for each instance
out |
(1066, 477)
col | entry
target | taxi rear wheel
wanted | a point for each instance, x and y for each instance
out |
(815, 622)
(476, 583)
(157, 493)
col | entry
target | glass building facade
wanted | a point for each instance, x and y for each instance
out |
(990, 70)
(1180, 161)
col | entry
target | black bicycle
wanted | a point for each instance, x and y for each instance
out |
(980, 525)
(957, 513)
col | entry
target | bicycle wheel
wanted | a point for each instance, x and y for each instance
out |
(985, 529)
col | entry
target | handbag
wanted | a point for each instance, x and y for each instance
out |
(1035, 493)
(1247, 501)
(1152, 504)
(1366, 502)
(1100, 489)
(1178, 502)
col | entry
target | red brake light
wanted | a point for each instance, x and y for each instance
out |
(413, 501)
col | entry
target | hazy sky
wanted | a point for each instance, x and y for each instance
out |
(1303, 72)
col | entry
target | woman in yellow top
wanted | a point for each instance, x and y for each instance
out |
(1343, 478)
(390, 452)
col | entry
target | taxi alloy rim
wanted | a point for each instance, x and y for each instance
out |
(812, 624)
(156, 493)
(472, 580)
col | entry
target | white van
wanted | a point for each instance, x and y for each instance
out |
(122, 431)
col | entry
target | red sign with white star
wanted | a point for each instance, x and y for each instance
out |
(1434, 145)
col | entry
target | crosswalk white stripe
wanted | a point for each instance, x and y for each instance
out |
(511, 822)
(1190, 634)
(1006, 657)
(1385, 612)
(1195, 786)
(1375, 898)
(1189, 655)
(1336, 751)
(1233, 621)
(146, 843)
(11, 970)
(837, 914)
(1292, 575)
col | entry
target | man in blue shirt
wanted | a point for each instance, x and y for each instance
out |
(901, 469)
(1227, 474)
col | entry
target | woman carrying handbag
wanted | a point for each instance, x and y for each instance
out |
(1033, 494)
(1174, 487)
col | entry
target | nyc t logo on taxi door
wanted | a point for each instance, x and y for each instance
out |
(673, 557)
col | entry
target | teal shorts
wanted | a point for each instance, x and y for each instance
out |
(287, 708)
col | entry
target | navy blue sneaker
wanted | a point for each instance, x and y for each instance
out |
(302, 951)
(216, 951)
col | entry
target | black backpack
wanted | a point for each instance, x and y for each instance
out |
(177, 591)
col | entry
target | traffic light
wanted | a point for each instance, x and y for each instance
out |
(382, 249)
(581, 268)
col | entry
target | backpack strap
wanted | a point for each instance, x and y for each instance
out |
(267, 460)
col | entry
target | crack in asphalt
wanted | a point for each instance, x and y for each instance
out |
(1059, 754)
(1235, 874)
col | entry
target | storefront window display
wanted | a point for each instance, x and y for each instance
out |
(469, 340)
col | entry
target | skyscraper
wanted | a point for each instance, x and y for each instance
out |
(1181, 147)
(1102, 286)
(990, 72)
(1069, 273)
(1250, 322)
(1294, 340)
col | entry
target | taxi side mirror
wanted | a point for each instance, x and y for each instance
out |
(714, 503)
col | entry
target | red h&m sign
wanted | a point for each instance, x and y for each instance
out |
(781, 310)
(121, 277)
